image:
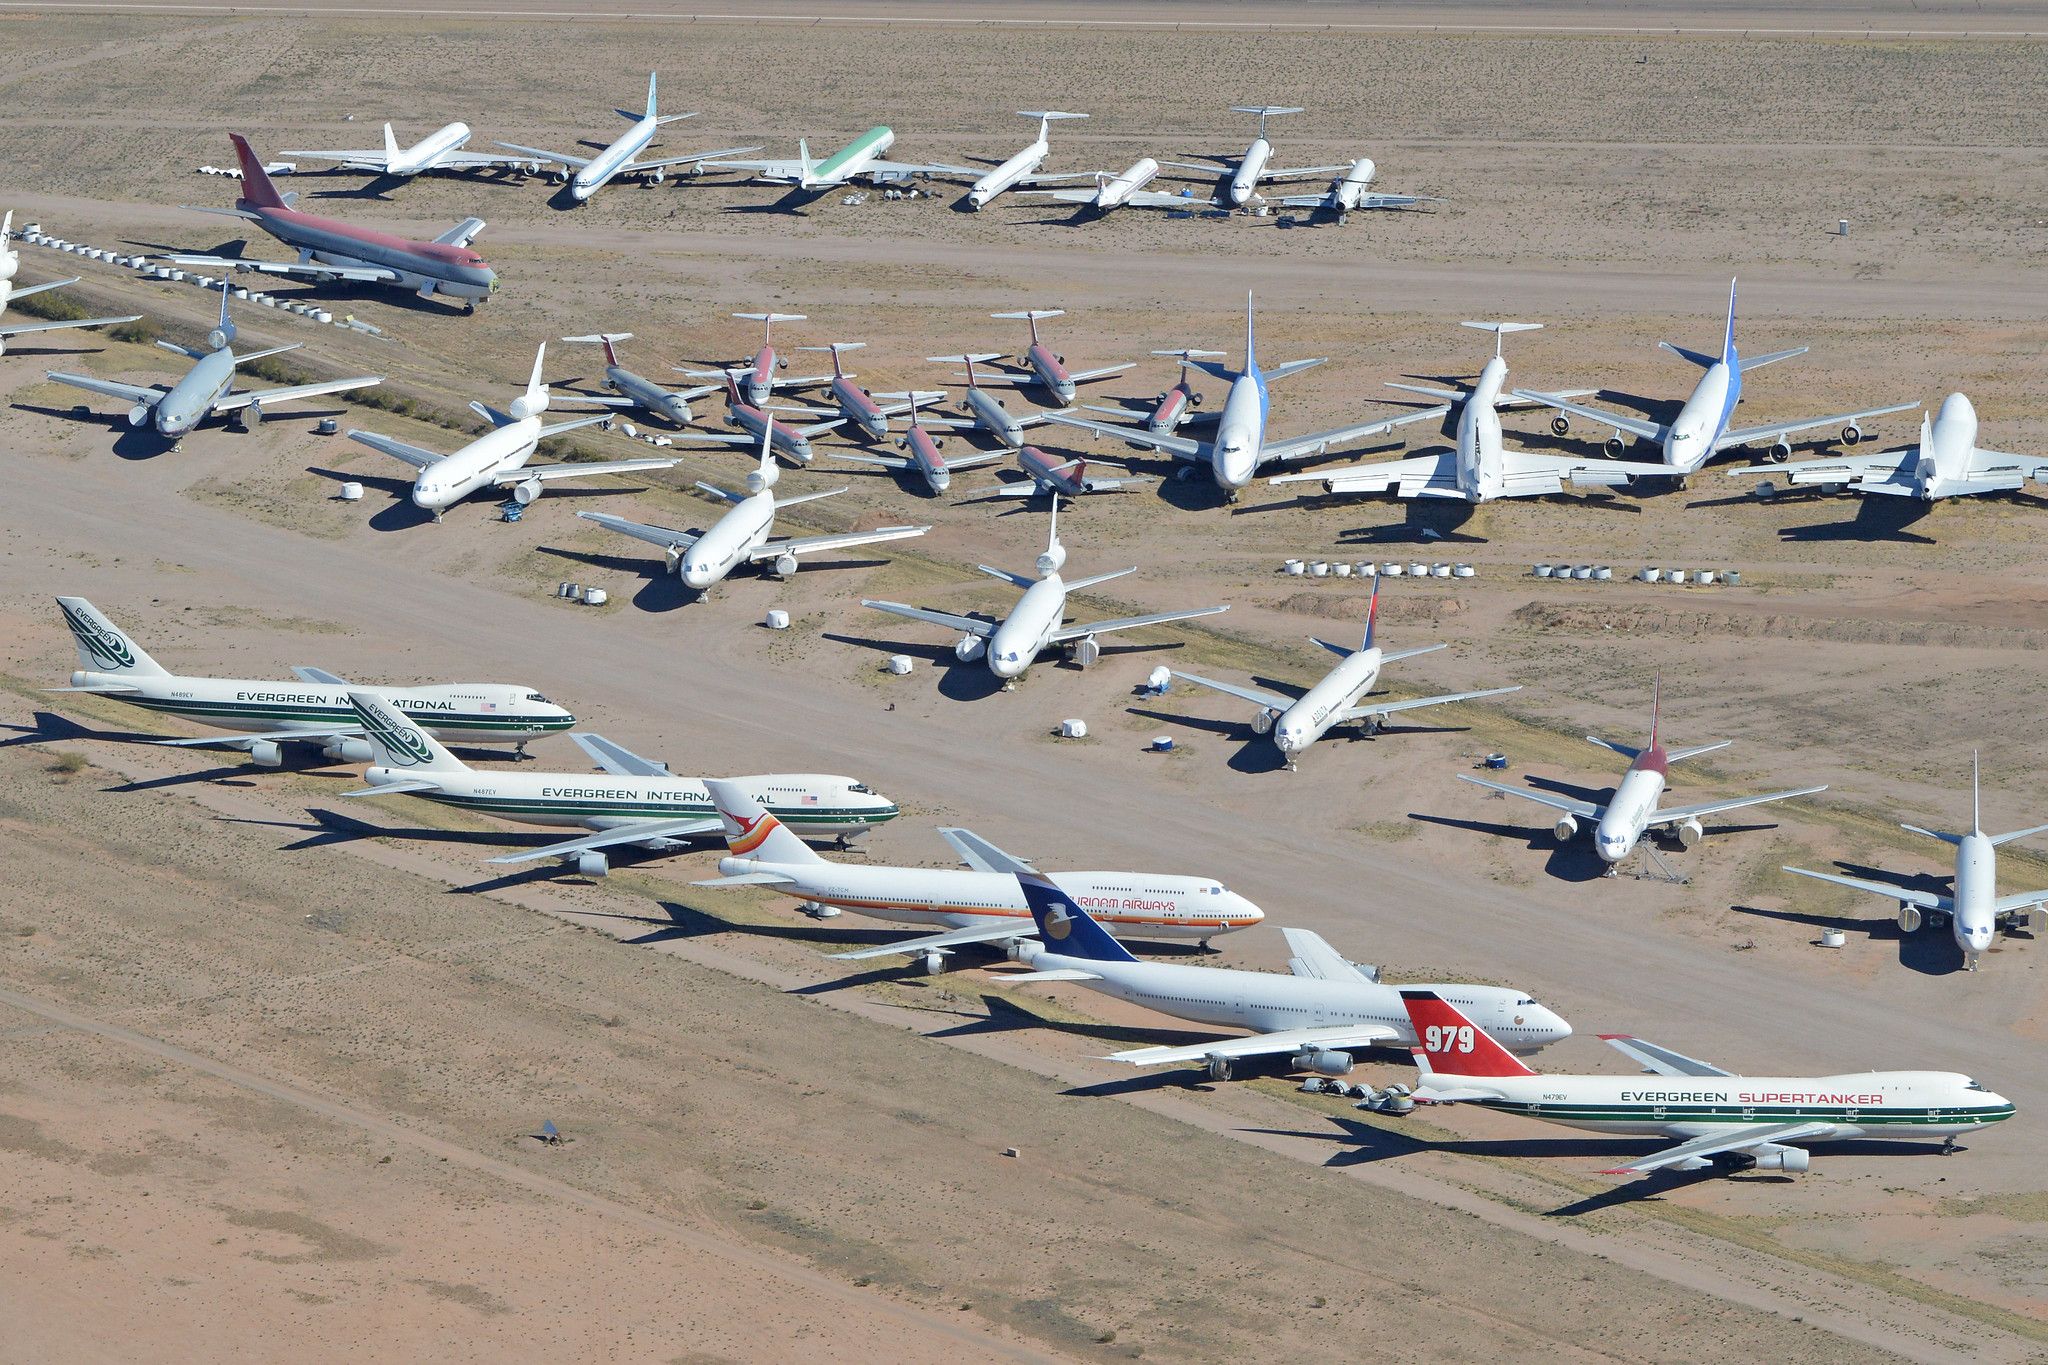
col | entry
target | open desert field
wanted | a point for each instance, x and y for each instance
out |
(273, 1057)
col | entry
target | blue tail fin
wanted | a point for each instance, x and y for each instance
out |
(1065, 928)
(1728, 338)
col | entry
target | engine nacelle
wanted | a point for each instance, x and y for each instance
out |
(1262, 723)
(266, 753)
(1689, 832)
(525, 406)
(659, 178)
(785, 565)
(819, 910)
(138, 415)
(934, 962)
(1616, 447)
(1851, 434)
(969, 648)
(3, 340)
(1218, 1066)
(592, 863)
(1051, 561)
(220, 338)
(1793, 1159)
(1781, 451)
(1566, 827)
(348, 751)
(524, 493)
(1910, 919)
(250, 417)
(1086, 651)
(1560, 425)
(1322, 1061)
(674, 555)
(1195, 400)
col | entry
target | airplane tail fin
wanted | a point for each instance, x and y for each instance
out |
(224, 330)
(534, 401)
(1447, 1043)
(102, 647)
(651, 77)
(750, 830)
(1251, 340)
(257, 191)
(803, 156)
(390, 147)
(1728, 356)
(1976, 798)
(1656, 706)
(1372, 613)
(1065, 928)
(1501, 329)
(395, 742)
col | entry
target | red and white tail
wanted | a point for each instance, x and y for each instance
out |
(257, 191)
(1449, 1044)
(1656, 706)
(751, 830)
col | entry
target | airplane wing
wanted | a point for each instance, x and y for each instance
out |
(1365, 201)
(1635, 426)
(699, 827)
(1255, 695)
(243, 740)
(640, 530)
(1101, 372)
(1260, 1044)
(1281, 371)
(364, 274)
(896, 462)
(1314, 958)
(616, 759)
(1422, 476)
(1166, 199)
(1585, 810)
(1701, 809)
(1178, 446)
(765, 170)
(1736, 1139)
(1926, 900)
(574, 163)
(18, 329)
(244, 398)
(556, 429)
(1305, 447)
(844, 540)
(1301, 172)
(1842, 469)
(1524, 475)
(692, 159)
(462, 234)
(996, 931)
(319, 675)
(2020, 900)
(548, 473)
(1661, 1060)
(908, 168)
(983, 856)
(419, 457)
(602, 400)
(1985, 463)
(355, 158)
(1158, 618)
(1746, 435)
(1391, 707)
(128, 393)
(972, 625)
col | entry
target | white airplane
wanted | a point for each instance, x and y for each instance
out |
(1126, 189)
(1254, 165)
(1240, 443)
(498, 458)
(10, 263)
(636, 802)
(1022, 169)
(741, 536)
(1753, 1121)
(1633, 810)
(1700, 431)
(1313, 1016)
(440, 150)
(208, 388)
(859, 158)
(1975, 911)
(1478, 468)
(978, 904)
(1336, 699)
(1038, 621)
(591, 174)
(313, 709)
(1947, 463)
(630, 390)
(1350, 193)
(921, 450)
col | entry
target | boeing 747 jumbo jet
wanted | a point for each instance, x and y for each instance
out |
(1240, 444)
(636, 802)
(208, 388)
(1700, 431)
(10, 262)
(1947, 463)
(1633, 810)
(1038, 621)
(1022, 169)
(979, 904)
(1973, 911)
(331, 250)
(1350, 193)
(858, 159)
(741, 536)
(630, 390)
(312, 709)
(1718, 1116)
(1254, 166)
(1314, 1016)
(588, 175)
(440, 150)
(1338, 698)
(498, 458)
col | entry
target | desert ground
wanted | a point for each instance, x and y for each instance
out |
(273, 1057)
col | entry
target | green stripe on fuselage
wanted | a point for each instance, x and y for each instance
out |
(1739, 1114)
(537, 809)
(277, 715)
(863, 146)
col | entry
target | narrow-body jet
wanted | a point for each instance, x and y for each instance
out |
(588, 175)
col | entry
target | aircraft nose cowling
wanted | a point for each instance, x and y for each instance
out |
(696, 575)
(1548, 1024)
(1242, 911)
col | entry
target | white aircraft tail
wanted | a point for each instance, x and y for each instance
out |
(652, 77)
(391, 156)
(534, 401)
(1045, 118)
(1251, 337)
(750, 830)
(1265, 111)
(223, 334)
(803, 156)
(102, 647)
(395, 742)
(835, 347)
(1055, 554)
(763, 478)
(1501, 329)
(1032, 316)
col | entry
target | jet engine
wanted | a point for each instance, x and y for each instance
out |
(785, 565)
(934, 962)
(525, 406)
(1195, 399)
(1567, 825)
(970, 648)
(524, 493)
(3, 340)
(1322, 1061)
(1851, 434)
(1085, 651)
(1910, 918)
(1689, 833)
(348, 751)
(1049, 563)
(220, 338)
(1218, 1066)
(1262, 723)
(1616, 447)
(250, 417)
(592, 863)
(266, 753)
(1781, 451)
(138, 415)
(1560, 425)
(1776, 1158)
(658, 178)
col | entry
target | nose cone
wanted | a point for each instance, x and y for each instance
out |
(1546, 1024)
(1238, 910)
(1290, 739)
(1612, 848)
(1233, 469)
(1007, 662)
(697, 574)
(579, 191)
(429, 496)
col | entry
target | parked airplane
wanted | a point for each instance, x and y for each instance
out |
(1126, 189)
(313, 709)
(10, 262)
(1240, 444)
(981, 904)
(1038, 621)
(588, 175)
(1718, 1116)
(498, 458)
(1947, 463)
(1974, 911)
(741, 536)
(1633, 810)
(860, 158)
(856, 405)
(637, 802)
(1022, 169)
(1700, 431)
(1297, 722)
(440, 150)
(1042, 367)
(1350, 193)
(630, 390)
(985, 411)
(1478, 468)
(1172, 409)
(1048, 476)
(757, 377)
(333, 250)
(921, 449)
(208, 388)
(1314, 1016)
(1254, 166)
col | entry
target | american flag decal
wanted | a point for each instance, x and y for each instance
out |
(810, 800)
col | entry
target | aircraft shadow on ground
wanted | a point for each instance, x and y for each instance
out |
(49, 725)
(393, 484)
(1572, 861)
(130, 443)
(1929, 952)
(794, 203)
(1877, 518)
(958, 681)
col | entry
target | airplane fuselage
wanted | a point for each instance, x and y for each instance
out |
(1050, 371)
(446, 268)
(992, 417)
(477, 465)
(426, 154)
(1479, 443)
(1006, 175)
(613, 159)
(1951, 442)
(462, 713)
(1244, 182)
(1634, 802)
(647, 394)
(1347, 191)
(852, 160)
(808, 803)
(786, 440)
(192, 398)
(1064, 478)
(858, 408)
(1240, 439)
(922, 449)
(1114, 192)
(1974, 923)
(1311, 717)
(1695, 433)
(1171, 410)
(1028, 629)
(726, 545)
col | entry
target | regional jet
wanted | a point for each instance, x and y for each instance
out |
(441, 150)
(10, 262)
(1022, 169)
(1351, 193)
(921, 450)
(1042, 367)
(757, 376)
(985, 411)
(588, 175)
(1126, 189)
(630, 390)
(1947, 463)
(1247, 171)
(859, 159)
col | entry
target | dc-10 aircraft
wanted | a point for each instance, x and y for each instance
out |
(859, 159)
(1324, 1007)
(1022, 169)
(1042, 367)
(1338, 697)
(312, 709)
(1478, 468)
(10, 262)
(1351, 193)
(921, 450)
(331, 250)
(1038, 621)
(498, 458)
(1718, 1116)
(1700, 431)
(630, 390)
(978, 904)
(741, 535)
(636, 802)
(1255, 166)
(441, 150)
(1974, 911)
(1633, 810)
(588, 175)
(208, 388)
(1240, 444)
(1947, 463)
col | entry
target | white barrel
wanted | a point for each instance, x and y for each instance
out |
(1833, 938)
(900, 664)
(1391, 569)
(241, 292)
(350, 492)
(1674, 575)
(1649, 574)
(1368, 569)
(1295, 567)
(177, 274)
(322, 315)
(1543, 570)
(1602, 572)
(663, 441)
(1462, 570)
(1732, 577)
(1703, 576)
(1582, 571)
(1440, 570)
(1074, 728)
(595, 597)
(778, 619)
(1418, 570)
(1341, 568)
(1319, 569)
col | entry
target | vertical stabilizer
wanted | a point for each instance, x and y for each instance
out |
(1372, 613)
(1064, 927)
(391, 157)
(650, 95)
(1449, 1044)
(1656, 706)
(1251, 338)
(395, 742)
(257, 191)
(102, 647)
(1728, 356)
(803, 156)
(1976, 798)
(750, 830)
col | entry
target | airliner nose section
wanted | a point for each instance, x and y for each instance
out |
(1547, 1024)
(1238, 910)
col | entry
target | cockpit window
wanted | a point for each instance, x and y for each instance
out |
(535, 696)
(1525, 1000)
(860, 788)
(1972, 1085)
